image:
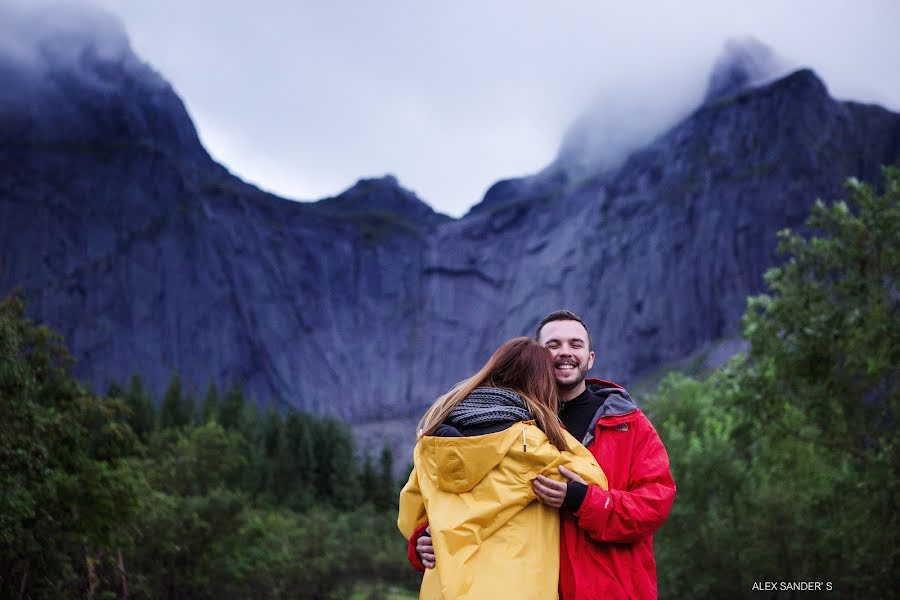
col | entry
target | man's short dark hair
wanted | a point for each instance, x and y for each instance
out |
(563, 315)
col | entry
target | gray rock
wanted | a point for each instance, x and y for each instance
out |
(149, 257)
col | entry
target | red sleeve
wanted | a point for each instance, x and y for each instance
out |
(411, 552)
(627, 516)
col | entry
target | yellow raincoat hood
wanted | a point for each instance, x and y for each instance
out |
(492, 538)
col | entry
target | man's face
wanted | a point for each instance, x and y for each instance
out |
(568, 343)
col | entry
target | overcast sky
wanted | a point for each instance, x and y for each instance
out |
(303, 98)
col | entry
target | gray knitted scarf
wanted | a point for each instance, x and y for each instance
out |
(488, 405)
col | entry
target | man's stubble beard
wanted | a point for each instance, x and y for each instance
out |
(582, 375)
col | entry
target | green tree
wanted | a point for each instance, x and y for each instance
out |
(336, 477)
(787, 459)
(701, 548)
(86, 510)
(231, 409)
(827, 336)
(824, 367)
(273, 477)
(114, 390)
(299, 459)
(143, 412)
(197, 477)
(368, 478)
(210, 407)
(69, 496)
(175, 410)
(386, 495)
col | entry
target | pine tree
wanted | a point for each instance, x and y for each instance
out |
(273, 476)
(174, 412)
(231, 409)
(210, 408)
(143, 412)
(386, 497)
(336, 471)
(299, 452)
(368, 479)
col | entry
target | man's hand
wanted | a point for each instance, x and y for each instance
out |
(425, 549)
(552, 493)
(571, 475)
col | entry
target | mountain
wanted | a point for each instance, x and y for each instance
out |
(150, 258)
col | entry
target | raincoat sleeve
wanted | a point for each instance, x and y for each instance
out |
(627, 516)
(579, 460)
(412, 519)
(412, 508)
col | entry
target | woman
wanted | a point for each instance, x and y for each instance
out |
(480, 445)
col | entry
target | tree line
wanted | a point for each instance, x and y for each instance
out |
(786, 460)
(108, 496)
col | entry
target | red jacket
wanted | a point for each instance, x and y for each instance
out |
(606, 547)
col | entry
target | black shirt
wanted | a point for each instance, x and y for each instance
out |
(577, 413)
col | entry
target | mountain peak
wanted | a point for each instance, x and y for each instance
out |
(71, 77)
(380, 195)
(803, 81)
(743, 63)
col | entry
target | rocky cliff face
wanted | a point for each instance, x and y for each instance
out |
(151, 258)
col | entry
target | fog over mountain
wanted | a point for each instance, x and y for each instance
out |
(151, 258)
(304, 98)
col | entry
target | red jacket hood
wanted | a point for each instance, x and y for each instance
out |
(616, 402)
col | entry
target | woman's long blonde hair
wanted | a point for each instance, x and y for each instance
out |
(520, 365)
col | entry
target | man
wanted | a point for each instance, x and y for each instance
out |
(606, 541)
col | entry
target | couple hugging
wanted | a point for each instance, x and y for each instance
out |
(532, 482)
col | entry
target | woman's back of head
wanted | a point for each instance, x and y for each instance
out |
(525, 367)
(520, 365)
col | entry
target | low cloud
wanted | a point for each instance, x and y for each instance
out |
(629, 114)
(305, 98)
(41, 34)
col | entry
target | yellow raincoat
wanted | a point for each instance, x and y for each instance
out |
(492, 538)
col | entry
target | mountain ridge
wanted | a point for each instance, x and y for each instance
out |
(150, 257)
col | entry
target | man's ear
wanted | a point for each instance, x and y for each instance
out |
(590, 360)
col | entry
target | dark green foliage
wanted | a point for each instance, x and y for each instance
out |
(231, 409)
(143, 413)
(210, 408)
(385, 495)
(787, 459)
(298, 460)
(336, 477)
(368, 478)
(67, 491)
(98, 499)
(830, 326)
(176, 410)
